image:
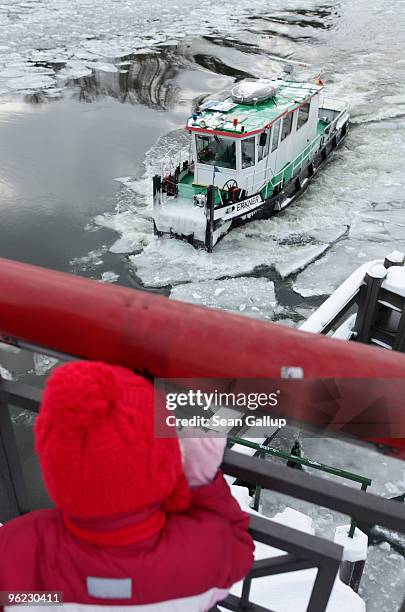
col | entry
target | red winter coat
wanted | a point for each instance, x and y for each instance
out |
(187, 566)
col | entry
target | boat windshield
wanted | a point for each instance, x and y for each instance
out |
(216, 151)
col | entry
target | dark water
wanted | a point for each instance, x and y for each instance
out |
(59, 158)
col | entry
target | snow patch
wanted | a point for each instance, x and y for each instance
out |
(355, 548)
(395, 280)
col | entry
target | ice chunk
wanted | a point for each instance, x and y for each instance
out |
(109, 277)
(300, 259)
(74, 69)
(9, 348)
(107, 49)
(170, 261)
(136, 231)
(103, 67)
(43, 363)
(250, 296)
(326, 274)
(89, 261)
(31, 82)
(6, 374)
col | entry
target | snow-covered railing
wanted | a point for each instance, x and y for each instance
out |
(377, 288)
(263, 450)
(337, 305)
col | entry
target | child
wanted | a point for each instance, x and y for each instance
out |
(135, 524)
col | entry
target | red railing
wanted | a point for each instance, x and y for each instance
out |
(166, 338)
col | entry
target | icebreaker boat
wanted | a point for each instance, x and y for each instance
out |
(253, 150)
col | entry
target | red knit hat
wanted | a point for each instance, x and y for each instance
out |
(96, 444)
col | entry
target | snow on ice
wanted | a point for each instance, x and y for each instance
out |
(355, 548)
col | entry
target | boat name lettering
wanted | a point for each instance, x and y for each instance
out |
(238, 208)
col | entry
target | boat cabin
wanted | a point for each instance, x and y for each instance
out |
(252, 132)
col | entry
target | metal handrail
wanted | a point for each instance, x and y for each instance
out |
(264, 450)
(268, 450)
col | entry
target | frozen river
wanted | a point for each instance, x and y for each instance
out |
(92, 95)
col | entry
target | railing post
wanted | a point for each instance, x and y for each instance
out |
(396, 258)
(157, 198)
(13, 495)
(258, 489)
(244, 600)
(323, 586)
(209, 230)
(368, 298)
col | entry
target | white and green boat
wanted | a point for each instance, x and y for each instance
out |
(253, 150)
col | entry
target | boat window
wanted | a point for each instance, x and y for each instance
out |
(267, 147)
(303, 115)
(287, 124)
(263, 151)
(276, 133)
(248, 152)
(216, 151)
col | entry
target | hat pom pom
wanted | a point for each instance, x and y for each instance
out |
(80, 395)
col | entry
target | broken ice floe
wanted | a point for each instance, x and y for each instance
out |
(74, 69)
(103, 67)
(327, 273)
(88, 262)
(109, 277)
(43, 363)
(300, 259)
(250, 296)
(31, 82)
(5, 374)
(136, 231)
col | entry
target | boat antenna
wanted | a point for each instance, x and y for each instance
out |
(288, 61)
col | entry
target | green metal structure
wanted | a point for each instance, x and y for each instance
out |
(263, 450)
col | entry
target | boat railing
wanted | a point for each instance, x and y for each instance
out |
(69, 317)
(263, 450)
(174, 158)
